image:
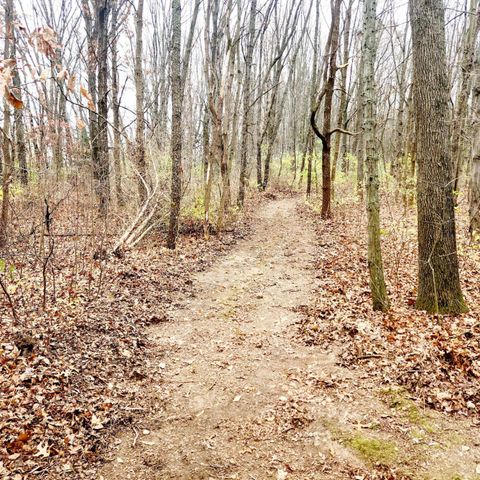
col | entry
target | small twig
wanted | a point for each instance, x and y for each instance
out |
(9, 298)
(136, 437)
(134, 409)
(345, 132)
(371, 355)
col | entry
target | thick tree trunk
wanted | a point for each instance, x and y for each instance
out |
(227, 95)
(438, 278)
(375, 263)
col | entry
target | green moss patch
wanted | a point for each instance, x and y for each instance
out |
(373, 450)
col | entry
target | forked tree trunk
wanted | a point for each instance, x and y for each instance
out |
(328, 92)
(438, 277)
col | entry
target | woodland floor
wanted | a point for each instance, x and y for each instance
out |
(248, 380)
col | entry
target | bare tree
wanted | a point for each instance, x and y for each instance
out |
(327, 92)
(375, 263)
(139, 105)
(178, 72)
(7, 173)
(247, 98)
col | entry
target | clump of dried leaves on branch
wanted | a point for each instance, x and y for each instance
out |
(437, 358)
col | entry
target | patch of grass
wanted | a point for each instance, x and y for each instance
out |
(373, 450)
(396, 398)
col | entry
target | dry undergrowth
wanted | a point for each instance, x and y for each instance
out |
(63, 351)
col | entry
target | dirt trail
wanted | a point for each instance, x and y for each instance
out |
(238, 397)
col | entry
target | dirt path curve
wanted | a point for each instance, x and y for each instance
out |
(228, 406)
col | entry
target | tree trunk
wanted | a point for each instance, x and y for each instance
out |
(246, 102)
(328, 91)
(438, 278)
(178, 72)
(176, 138)
(6, 144)
(116, 109)
(139, 106)
(21, 148)
(359, 141)
(375, 263)
(475, 172)
(91, 33)
(461, 114)
(102, 166)
(342, 120)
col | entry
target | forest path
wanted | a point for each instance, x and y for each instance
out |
(232, 408)
(234, 394)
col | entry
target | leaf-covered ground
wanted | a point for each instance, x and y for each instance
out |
(436, 358)
(62, 364)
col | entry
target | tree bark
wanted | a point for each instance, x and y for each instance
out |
(139, 106)
(6, 140)
(176, 134)
(328, 91)
(474, 209)
(103, 166)
(116, 108)
(246, 102)
(375, 263)
(21, 148)
(438, 277)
